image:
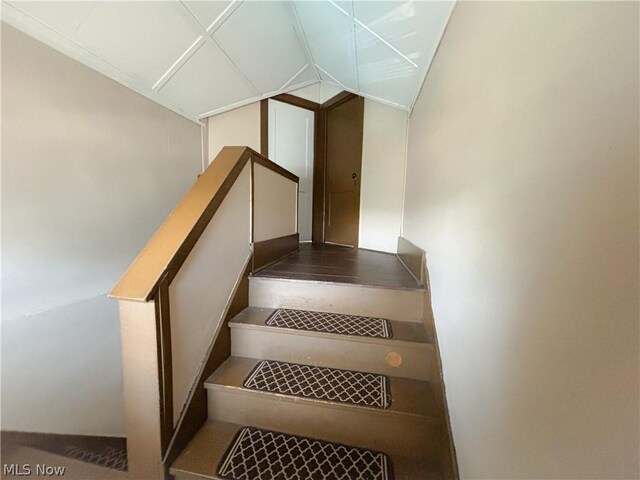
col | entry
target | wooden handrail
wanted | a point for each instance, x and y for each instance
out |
(169, 247)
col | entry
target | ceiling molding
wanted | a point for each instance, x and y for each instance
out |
(226, 108)
(380, 65)
(296, 75)
(302, 38)
(173, 69)
(433, 58)
(36, 29)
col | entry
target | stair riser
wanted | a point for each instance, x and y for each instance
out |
(401, 305)
(394, 434)
(418, 362)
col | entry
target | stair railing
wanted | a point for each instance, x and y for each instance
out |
(240, 214)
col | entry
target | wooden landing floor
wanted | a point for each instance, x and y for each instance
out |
(330, 263)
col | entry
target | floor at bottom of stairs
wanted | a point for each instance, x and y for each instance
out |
(21, 455)
(200, 459)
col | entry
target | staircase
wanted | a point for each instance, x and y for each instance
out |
(325, 396)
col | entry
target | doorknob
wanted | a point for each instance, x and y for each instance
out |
(354, 176)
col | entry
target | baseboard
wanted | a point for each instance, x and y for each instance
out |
(268, 252)
(415, 261)
(413, 258)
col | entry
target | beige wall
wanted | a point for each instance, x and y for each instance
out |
(522, 187)
(275, 204)
(89, 171)
(383, 164)
(205, 284)
(237, 127)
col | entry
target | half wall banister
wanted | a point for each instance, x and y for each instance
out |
(176, 294)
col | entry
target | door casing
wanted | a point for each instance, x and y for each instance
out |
(318, 234)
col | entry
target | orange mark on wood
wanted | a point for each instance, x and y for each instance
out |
(394, 359)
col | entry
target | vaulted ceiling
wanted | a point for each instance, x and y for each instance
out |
(200, 58)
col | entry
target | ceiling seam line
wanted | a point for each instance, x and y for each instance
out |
(335, 79)
(241, 103)
(428, 68)
(179, 63)
(355, 43)
(302, 38)
(398, 52)
(292, 79)
(234, 65)
(223, 17)
(344, 12)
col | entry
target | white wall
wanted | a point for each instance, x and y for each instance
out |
(383, 166)
(522, 187)
(89, 171)
(238, 127)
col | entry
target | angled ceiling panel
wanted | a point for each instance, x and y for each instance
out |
(204, 57)
(206, 13)
(382, 72)
(305, 77)
(412, 27)
(207, 82)
(143, 39)
(330, 36)
(64, 18)
(259, 36)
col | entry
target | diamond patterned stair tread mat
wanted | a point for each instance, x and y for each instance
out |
(257, 454)
(337, 323)
(114, 458)
(322, 383)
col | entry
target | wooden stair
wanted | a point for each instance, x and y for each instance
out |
(410, 431)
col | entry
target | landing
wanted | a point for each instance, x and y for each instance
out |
(330, 263)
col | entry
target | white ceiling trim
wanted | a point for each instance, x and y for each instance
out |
(302, 38)
(154, 89)
(296, 75)
(383, 41)
(256, 99)
(173, 69)
(207, 34)
(428, 67)
(33, 27)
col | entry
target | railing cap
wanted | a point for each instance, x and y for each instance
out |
(172, 242)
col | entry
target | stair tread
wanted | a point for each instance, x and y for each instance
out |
(201, 457)
(409, 397)
(411, 333)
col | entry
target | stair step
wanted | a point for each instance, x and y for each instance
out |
(204, 454)
(401, 304)
(407, 354)
(406, 426)
(320, 383)
(256, 453)
(329, 322)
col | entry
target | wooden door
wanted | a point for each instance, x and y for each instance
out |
(344, 124)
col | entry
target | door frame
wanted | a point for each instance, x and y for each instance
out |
(319, 149)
